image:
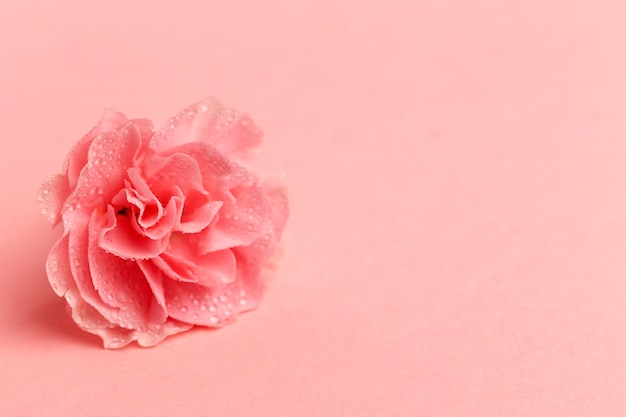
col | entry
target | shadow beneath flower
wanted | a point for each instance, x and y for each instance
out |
(50, 320)
(37, 315)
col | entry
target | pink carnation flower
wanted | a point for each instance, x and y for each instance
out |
(163, 230)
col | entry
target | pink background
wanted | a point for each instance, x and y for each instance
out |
(457, 176)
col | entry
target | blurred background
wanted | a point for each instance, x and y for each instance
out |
(456, 174)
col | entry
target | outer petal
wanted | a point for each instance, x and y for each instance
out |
(276, 192)
(233, 133)
(122, 285)
(58, 267)
(213, 307)
(90, 320)
(115, 337)
(111, 121)
(239, 223)
(51, 196)
(78, 244)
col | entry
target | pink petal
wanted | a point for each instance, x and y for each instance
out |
(166, 172)
(215, 268)
(233, 133)
(150, 208)
(110, 156)
(122, 285)
(119, 237)
(239, 223)
(252, 258)
(213, 307)
(276, 192)
(90, 320)
(167, 223)
(79, 262)
(154, 277)
(215, 170)
(51, 196)
(115, 337)
(146, 131)
(110, 121)
(194, 221)
(58, 267)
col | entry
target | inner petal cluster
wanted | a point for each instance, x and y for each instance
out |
(142, 216)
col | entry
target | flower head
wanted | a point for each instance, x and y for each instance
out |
(165, 229)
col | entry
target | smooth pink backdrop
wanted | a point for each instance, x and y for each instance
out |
(456, 171)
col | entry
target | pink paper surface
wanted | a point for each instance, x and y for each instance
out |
(458, 226)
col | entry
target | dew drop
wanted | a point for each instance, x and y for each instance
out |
(202, 307)
(214, 319)
(183, 309)
(212, 308)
